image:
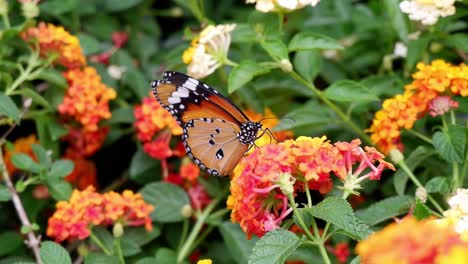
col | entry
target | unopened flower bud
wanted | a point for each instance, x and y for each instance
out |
(30, 9)
(396, 156)
(27, 103)
(286, 66)
(177, 12)
(186, 211)
(118, 230)
(421, 194)
(286, 183)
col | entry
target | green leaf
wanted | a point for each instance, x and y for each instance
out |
(397, 18)
(421, 211)
(308, 63)
(105, 237)
(311, 114)
(89, 44)
(24, 162)
(35, 96)
(416, 49)
(168, 200)
(165, 255)
(451, 144)
(385, 209)
(5, 195)
(400, 178)
(59, 189)
(274, 247)
(136, 81)
(122, 115)
(9, 242)
(17, 260)
(276, 48)
(349, 91)
(9, 108)
(243, 33)
(58, 7)
(100, 258)
(101, 26)
(129, 247)
(150, 260)
(141, 163)
(53, 76)
(140, 235)
(56, 130)
(53, 253)
(41, 154)
(244, 73)
(337, 211)
(237, 242)
(458, 41)
(61, 169)
(120, 5)
(311, 41)
(438, 185)
(264, 25)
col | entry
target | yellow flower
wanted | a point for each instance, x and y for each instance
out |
(205, 261)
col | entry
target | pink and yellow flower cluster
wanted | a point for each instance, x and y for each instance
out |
(263, 181)
(427, 93)
(74, 219)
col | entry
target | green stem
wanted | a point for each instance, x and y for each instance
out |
(307, 191)
(319, 242)
(333, 107)
(25, 75)
(6, 20)
(420, 136)
(118, 248)
(185, 250)
(184, 234)
(415, 180)
(201, 238)
(229, 62)
(457, 182)
(99, 243)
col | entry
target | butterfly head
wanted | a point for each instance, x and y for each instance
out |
(248, 132)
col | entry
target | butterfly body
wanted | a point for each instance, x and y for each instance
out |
(216, 133)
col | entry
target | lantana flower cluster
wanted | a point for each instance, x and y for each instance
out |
(155, 127)
(208, 51)
(411, 241)
(86, 100)
(427, 93)
(21, 145)
(458, 211)
(56, 41)
(74, 219)
(263, 182)
(427, 11)
(266, 6)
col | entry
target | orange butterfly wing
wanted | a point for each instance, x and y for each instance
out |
(213, 144)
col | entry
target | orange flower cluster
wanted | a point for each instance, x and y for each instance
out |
(74, 218)
(21, 145)
(413, 242)
(56, 41)
(401, 111)
(262, 181)
(154, 127)
(87, 98)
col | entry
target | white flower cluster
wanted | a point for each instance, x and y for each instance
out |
(459, 210)
(266, 6)
(427, 11)
(209, 51)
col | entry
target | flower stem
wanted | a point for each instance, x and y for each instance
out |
(99, 243)
(420, 136)
(25, 75)
(309, 198)
(184, 234)
(318, 241)
(32, 240)
(333, 107)
(118, 248)
(415, 180)
(6, 20)
(185, 249)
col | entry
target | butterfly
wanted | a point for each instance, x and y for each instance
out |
(216, 133)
